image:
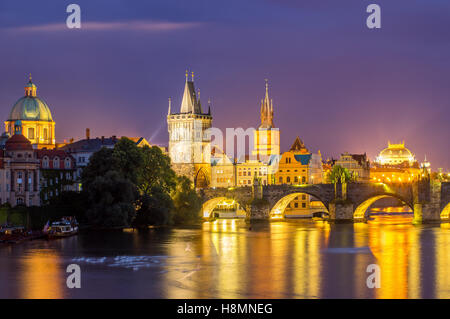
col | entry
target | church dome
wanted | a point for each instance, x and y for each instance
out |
(395, 154)
(30, 107)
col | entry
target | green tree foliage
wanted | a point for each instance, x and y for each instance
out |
(127, 159)
(339, 174)
(155, 174)
(187, 203)
(100, 163)
(112, 200)
(133, 185)
(154, 209)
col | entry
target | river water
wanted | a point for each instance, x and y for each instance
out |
(226, 259)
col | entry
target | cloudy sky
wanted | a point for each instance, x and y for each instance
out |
(335, 83)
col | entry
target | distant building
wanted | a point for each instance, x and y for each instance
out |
(299, 166)
(222, 169)
(266, 136)
(395, 154)
(248, 170)
(19, 171)
(83, 149)
(395, 164)
(57, 173)
(357, 164)
(189, 141)
(36, 120)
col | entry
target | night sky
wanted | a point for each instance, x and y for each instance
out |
(335, 83)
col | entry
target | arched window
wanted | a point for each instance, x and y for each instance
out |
(45, 133)
(45, 162)
(67, 163)
(288, 179)
(281, 179)
(56, 162)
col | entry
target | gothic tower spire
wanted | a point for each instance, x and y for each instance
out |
(266, 109)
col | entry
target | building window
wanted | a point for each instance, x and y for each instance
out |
(67, 163)
(45, 162)
(303, 205)
(31, 133)
(56, 162)
(288, 179)
(295, 179)
(45, 134)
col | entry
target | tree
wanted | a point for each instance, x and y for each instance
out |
(100, 163)
(187, 204)
(155, 172)
(112, 199)
(153, 209)
(127, 159)
(339, 175)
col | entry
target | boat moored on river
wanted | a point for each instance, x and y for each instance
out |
(67, 226)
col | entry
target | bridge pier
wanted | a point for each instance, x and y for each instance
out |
(341, 212)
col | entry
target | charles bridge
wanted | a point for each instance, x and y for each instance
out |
(429, 200)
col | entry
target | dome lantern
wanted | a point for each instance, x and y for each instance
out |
(30, 89)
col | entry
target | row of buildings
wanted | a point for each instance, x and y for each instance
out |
(34, 167)
(194, 155)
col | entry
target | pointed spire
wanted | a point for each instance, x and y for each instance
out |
(266, 109)
(170, 105)
(190, 103)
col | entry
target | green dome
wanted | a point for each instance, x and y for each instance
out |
(30, 108)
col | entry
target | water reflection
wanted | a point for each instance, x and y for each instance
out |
(233, 259)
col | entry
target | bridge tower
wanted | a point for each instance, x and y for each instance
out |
(189, 139)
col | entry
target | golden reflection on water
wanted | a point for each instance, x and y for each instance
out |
(394, 241)
(42, 277)
(282, 259)
(442, 281)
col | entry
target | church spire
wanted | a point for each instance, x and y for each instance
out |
(266, 109)
(190, 103)
(170, 105)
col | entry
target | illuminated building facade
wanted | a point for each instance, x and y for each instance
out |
(189, 140)
(266, 136)
(35, 117)
(57, 173)
(19, 171)
(395, 154)
(299, 166)
(222, 169)
(247, 171)
(357, 164)
(395, 164)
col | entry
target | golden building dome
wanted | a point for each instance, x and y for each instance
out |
(35, 116)
(395, 154)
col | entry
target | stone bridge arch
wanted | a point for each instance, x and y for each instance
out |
(211, 197)
(211, 204)
(279, 196)
(361, 207)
